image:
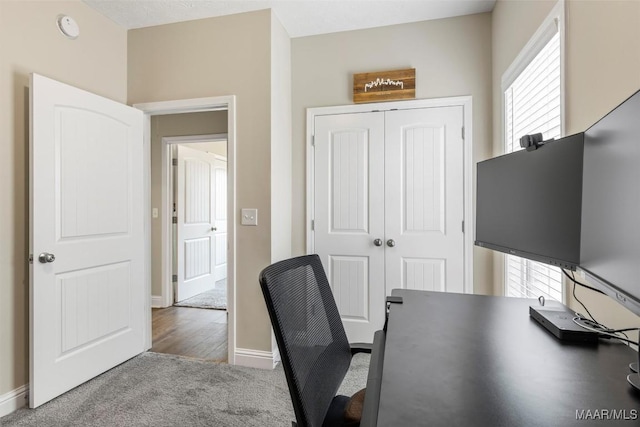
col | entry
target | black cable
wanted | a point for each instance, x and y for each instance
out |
(583, 306)
(599, 325)
(622, 339)
(602, 331)
(625, 330)
(580, 283)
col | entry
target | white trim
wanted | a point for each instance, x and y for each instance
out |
(469, 217)
(218, 103)
(466, 102)
(257, 358)
(166, 205)
(554, 22)
(157, 301)
(166, 248)
(14, 400)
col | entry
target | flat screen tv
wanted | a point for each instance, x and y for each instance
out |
(529, 202)
(610, 238)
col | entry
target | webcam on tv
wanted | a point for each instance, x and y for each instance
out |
(531, 142)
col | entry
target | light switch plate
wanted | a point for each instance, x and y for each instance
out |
(249, 217)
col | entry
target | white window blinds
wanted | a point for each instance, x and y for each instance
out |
(532, 104)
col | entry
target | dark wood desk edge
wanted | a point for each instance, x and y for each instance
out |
(619, 396)
(374, 381)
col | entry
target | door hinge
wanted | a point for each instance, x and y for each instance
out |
(174, 219)
(174, 278)
(463, 226)
(463, 132)
(30, 258)
(174, 162)
(313, 225)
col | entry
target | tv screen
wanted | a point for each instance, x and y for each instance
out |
(529, 202)
(610, 238)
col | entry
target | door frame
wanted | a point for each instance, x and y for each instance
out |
(166, 297)
(195, 105)
(466, 102)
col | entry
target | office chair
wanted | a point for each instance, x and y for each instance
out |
(313, 345)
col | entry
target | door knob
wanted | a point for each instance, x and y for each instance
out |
(391, 243)
(45, 257)
(377, 242)
(213, 229)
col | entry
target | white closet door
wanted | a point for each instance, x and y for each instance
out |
(424, 206)
(396, 176)
(87, 287)
(349, 216)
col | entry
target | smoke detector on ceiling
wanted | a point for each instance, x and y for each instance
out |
(68, 26)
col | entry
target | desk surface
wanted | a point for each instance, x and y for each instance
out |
(471, 360)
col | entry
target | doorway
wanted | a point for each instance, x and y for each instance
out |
(160, 223)
(196, 195)
(195, 325)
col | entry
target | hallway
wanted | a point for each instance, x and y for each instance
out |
(190, 332)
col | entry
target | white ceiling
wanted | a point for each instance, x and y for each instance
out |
(299, 17)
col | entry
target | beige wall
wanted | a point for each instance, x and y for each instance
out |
(218, 148)
(96, 61)
(452, 57)
(602, 58)
(172, 125)
(602, 68)
(230, 55)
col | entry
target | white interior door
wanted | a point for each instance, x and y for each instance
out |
(424, 208)
(220, 220)
(196, 222)
(349, 216)
(87, 287)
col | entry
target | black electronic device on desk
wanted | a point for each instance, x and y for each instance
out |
(559, 320)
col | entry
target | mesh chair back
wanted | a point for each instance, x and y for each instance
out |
(313, 346)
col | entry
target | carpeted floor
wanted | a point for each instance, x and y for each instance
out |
(162, 390)
(214, 298)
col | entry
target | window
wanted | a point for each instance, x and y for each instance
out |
(532, 104)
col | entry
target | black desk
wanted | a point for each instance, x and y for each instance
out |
(470, 360)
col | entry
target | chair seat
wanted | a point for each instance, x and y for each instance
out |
(345, 411)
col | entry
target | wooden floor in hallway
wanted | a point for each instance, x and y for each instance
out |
(191, 332)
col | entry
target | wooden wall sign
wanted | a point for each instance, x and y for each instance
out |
(384, 86)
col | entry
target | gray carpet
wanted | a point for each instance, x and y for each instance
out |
(214, 298)
(162, 390)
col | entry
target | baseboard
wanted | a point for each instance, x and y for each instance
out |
(256, 358)
(13, 400)
(157, 301)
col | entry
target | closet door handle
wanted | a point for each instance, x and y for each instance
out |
(391, 243)
(377, 242)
